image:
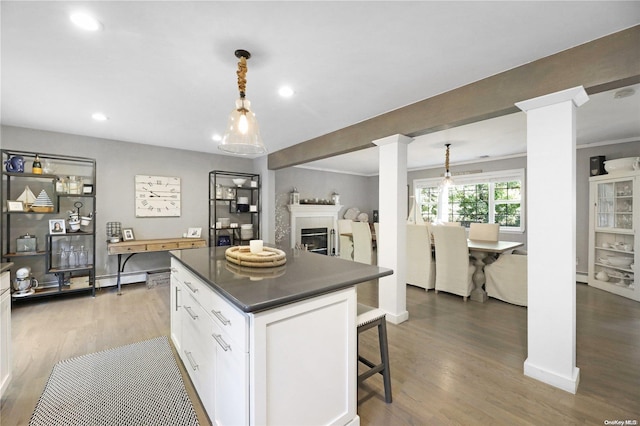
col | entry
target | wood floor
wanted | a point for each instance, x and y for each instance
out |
(451, 363)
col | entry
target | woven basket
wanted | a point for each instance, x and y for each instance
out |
(268, 258)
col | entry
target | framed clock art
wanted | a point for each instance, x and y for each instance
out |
(157, 196)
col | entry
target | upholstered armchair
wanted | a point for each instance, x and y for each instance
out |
(421, 266)
(507, 279)
(454, 271)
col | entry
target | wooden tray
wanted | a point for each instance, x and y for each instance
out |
(268, 258)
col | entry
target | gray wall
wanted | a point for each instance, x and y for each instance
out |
(355, 191)
(117, 164)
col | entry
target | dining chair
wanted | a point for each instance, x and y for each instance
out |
(362, 242)
(454, 270)
(484, 231)
(506, 279)
(421, 266)
(369, 317)
(376, 230)
(346, 242)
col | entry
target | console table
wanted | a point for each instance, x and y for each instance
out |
(147, 246)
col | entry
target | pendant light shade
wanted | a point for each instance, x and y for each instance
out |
(242, 135)
(448, 180)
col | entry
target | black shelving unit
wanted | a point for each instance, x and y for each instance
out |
(223, 203)
(80, 197)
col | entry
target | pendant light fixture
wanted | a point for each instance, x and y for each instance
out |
(448, 180)
(242, 135)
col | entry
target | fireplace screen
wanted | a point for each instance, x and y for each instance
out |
(315, 239)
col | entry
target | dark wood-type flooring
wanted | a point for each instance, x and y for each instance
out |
(451, 363)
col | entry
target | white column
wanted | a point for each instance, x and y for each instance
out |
(392, 241)
(551, 241)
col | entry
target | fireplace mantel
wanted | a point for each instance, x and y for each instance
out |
(325, 215)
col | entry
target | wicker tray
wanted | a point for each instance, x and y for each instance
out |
(268, 258)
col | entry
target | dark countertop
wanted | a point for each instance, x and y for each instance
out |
(305, 275)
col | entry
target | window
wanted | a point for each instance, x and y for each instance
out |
(495, 197)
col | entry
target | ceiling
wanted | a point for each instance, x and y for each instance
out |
(164, 72)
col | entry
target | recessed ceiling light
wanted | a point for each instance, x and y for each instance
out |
(624, 93)
(216, 137)
(285, 91)
(85, 21)
(98, 116)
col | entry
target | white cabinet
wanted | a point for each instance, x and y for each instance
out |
(294, 364)
(5, 332)
(614, 221)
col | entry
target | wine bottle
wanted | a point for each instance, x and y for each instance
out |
(37, 166)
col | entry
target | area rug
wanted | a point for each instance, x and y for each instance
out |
(137, 384)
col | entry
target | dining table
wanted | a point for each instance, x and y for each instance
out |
(479, 250)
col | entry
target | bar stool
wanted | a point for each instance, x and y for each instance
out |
(369, 317)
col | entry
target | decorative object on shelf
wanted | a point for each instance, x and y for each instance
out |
(26, 244)
(268, 257)
(114, 230)
(24, 283)
(27, 197)
(243, 204)
(43, 203)
(224, 222)
(448, 180)
(15, 206)
(243, 134)
(622, 164)
(218, 191)
(157, 196)
(87, 188)
(127, 234)
(36, 168)
(224, 240)
(335, 198)
(15, 164)
(239, 182)
(256, 246)
(596, 165)
(74, 185)
(246, 231)
(229, 194)
(295, 196)
(194, 232)
(57, 226)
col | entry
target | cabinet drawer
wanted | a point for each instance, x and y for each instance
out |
(193, 285)
(127, 249)
(192, 244)
(162, 246)
(231, 321)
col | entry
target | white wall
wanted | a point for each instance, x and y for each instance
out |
(117, 164)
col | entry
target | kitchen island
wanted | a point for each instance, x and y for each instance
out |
(269, 346)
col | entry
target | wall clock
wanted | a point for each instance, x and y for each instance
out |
(157, 196)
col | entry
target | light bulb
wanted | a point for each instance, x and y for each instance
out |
(243, 124)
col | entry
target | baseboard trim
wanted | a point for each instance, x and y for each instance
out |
(582, 277)
(112, 280)
(568, 384)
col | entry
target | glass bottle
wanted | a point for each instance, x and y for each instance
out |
(73, 259)
(64, 259)
(36, 169)
(82, 257)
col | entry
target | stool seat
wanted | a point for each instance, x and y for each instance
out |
(369, 317)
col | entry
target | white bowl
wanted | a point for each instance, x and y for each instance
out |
(239, 181)
(621, 164)
(620, 261)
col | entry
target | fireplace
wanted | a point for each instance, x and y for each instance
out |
(313, 216)
(315, 240)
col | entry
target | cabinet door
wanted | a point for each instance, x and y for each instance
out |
(614, 204)
(5, 340)
(176, 315)
(231, 381)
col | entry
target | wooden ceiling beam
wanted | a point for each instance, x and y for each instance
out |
(604, 64)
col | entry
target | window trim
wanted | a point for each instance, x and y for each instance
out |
(484, 177)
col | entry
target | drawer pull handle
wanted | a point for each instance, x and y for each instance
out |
(221, 317)
(225, 346)
(177, 298)
(191, 287)
(190, 312)
(192, 361)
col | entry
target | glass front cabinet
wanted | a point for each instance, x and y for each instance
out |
(614, 221)
(48, 226)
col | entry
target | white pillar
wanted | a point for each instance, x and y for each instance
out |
(551, 241)
(392, 241)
